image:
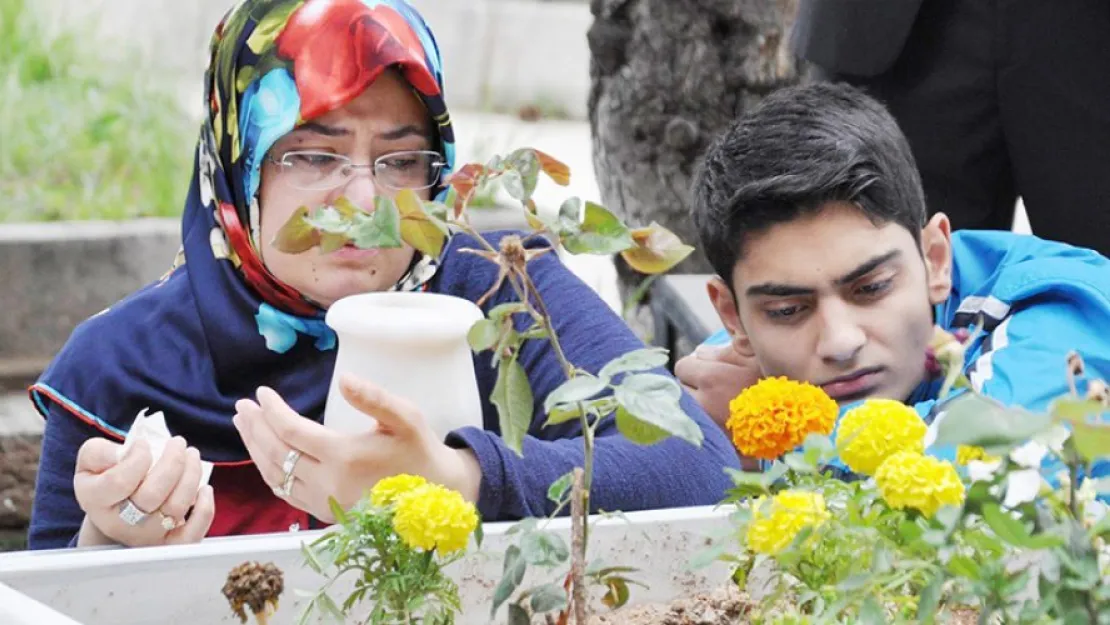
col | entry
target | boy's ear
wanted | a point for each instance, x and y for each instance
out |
(720, 295)
(936, 249)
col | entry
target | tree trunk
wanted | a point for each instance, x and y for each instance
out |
(667, 76)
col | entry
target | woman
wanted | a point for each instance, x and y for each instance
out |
(231, 345)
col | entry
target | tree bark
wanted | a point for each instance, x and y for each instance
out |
(666, 77)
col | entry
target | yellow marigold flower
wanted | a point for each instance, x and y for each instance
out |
(910, 480)
(773, 527)
(967, 453)
(875, 430)
(775, 415)
(387, 491)
(433, 517)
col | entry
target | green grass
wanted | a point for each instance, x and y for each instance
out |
(82, 137)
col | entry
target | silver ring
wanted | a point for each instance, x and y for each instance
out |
(130, 514)
(290, 463)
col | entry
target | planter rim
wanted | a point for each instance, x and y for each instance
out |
(15, 564)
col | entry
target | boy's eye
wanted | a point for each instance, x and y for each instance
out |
(784, 312)
(873, 289)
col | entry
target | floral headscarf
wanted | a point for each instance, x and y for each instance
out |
(219, 324)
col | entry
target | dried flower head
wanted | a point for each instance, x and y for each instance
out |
(255, 586)
(774, 416)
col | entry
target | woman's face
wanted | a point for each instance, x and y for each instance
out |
(387, 117)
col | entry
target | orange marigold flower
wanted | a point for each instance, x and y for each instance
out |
(775, 415)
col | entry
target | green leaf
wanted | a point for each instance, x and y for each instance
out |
(527, 167)
(601, 232)
(963, 566)
(871, 613)
(818, 449)
(512, 573)
(567, 222)
(512, 395)
(499, 312)
(654, 399)
(483, 335)
(513, 184)
(747, 484)
(337, 511)
(518, 615)
(617, 593)
(382, 229)
(328, 219)
(581, 387)
(640, 360)
(310, 558)
(974, 420)
(1091, 440)
(637, 431)
(548, 598)
(1071, 409)
(328, 606)
(558, 489)
(1013, 531)
(544, 549)
(709, 555)
(929, 600)
(799, 463)
(562, 414)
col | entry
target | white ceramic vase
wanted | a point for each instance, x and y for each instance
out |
(412, 344)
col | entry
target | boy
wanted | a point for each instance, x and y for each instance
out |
(811, 211)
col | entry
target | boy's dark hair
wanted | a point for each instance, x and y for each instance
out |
(798, 149)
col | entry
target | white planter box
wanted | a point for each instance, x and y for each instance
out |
(181, 585)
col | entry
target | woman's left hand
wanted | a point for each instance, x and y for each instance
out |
(345, 466)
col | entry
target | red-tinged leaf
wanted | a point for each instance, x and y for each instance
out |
(555, 169)
(464, 181)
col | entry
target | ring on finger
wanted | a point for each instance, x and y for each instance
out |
(168, 522)
(289, 464)
(130, 514)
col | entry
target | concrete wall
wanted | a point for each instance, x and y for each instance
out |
(497, 53)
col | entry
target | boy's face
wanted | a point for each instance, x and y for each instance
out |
(834, 300)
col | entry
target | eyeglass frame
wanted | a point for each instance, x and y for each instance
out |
(439, 164)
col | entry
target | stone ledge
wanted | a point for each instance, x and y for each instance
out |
(59, 274)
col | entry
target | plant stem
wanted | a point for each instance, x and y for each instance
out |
(1073, 473)
(568, 368)
(578, 546)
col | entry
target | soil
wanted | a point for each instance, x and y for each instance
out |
(19, 460)
(724, 606)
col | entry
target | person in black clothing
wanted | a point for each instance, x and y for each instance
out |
(998, 98)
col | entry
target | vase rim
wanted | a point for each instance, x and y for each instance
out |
(437, 315)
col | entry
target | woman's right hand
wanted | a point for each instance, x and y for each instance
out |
(104, 483)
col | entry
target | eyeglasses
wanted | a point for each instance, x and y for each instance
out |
(319, 171)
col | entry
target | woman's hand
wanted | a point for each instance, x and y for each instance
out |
(128, 503)
(326, 463)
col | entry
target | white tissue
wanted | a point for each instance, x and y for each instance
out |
(153, 430)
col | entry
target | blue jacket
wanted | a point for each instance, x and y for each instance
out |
(1037, 301)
